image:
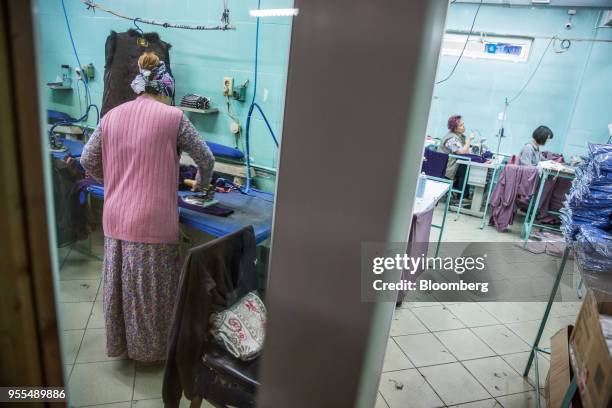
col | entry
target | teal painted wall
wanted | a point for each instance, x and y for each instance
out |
(200, 59)
(571, 92)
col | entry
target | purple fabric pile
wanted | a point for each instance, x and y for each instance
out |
(515, 184)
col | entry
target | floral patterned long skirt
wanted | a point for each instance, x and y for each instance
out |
(140, 288)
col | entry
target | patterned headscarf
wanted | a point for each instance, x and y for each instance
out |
(159, 79)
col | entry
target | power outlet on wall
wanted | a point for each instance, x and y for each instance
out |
(228, 86)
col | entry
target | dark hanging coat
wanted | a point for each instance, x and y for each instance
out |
(122, 52)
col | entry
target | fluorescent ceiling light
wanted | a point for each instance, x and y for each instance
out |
(288, 12)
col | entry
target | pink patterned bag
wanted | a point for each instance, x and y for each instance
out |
(240, 329)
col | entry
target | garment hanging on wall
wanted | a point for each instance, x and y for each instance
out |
(122, 51)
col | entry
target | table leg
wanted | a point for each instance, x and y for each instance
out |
(477, 197)
(448, 198)
(489, 190)
(533, 211)
(465, 182)
(537, 379)
(551, 299)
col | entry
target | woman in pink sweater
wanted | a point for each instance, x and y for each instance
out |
(135, 152)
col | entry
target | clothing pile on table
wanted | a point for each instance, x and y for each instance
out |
(587, 215)
(195, 101)
(554, 191)
(552, 198)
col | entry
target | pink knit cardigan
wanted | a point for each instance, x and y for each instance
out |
(141, 163)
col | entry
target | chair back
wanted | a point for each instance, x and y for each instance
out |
(434, 163)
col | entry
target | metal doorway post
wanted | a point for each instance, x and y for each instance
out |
(359, 90)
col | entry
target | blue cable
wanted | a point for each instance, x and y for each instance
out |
(85, 80)
(73, 121)
(252, 107)
(267, 123)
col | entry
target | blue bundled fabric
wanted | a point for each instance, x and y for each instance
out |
(601, 154)
(594, 248)
(587, 216)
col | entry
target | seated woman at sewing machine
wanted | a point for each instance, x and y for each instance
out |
(530, 154)
(455, 142)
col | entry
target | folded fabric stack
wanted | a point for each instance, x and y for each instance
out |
(587, 215)
(195, 101)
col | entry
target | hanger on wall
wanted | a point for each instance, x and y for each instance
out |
(141, 40)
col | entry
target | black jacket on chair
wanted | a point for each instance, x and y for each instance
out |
(214, 276)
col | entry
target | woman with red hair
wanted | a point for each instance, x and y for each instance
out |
(455, 142)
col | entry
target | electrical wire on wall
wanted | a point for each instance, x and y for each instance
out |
(464, 46)
(89, 104)
(516, 96)
(238, 131)
(251, 109)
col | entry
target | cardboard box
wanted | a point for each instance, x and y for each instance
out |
(560, 372)
(590, 357)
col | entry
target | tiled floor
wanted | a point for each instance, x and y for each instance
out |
(460, 354)
(93, 378)
(468, 354)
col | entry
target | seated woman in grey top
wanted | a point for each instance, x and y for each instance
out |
(455, 142)
(530, 154)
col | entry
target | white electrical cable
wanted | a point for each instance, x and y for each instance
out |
(79, 96)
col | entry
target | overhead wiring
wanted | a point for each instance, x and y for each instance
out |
(464, 46)
(224, 19)
(518, 94)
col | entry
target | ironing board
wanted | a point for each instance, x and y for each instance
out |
(253, 209)
(75, 149)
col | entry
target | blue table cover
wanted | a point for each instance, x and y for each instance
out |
(253, 209)
(225, 151)
(75, 148)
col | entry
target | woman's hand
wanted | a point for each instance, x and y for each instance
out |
(190, 183)
(471, 137)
